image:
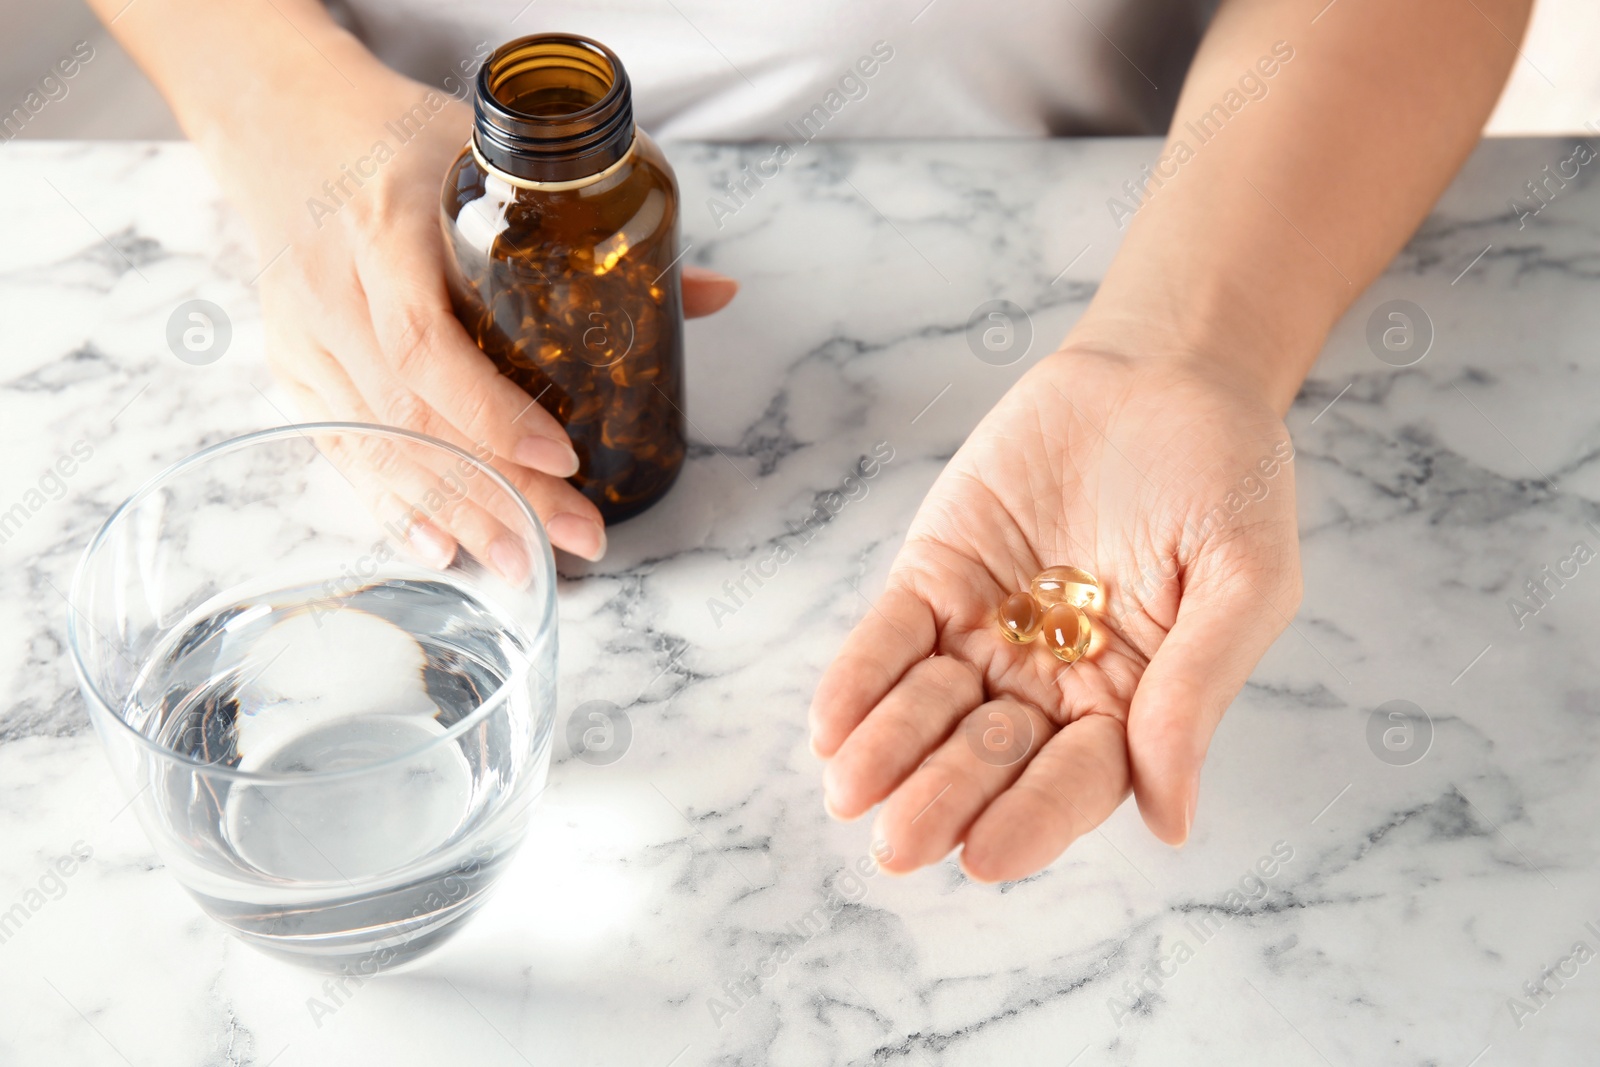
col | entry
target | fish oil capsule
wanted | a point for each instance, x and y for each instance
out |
(1066, 632)
(1067, 585)
(1020, 618)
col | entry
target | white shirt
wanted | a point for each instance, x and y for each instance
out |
(742, 69)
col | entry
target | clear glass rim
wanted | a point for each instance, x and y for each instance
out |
(235, 444)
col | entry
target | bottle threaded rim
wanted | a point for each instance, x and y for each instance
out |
(553, 107)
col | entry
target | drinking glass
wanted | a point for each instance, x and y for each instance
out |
(330, 719)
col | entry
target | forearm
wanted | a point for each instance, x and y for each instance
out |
(256, 84)
(223, 66)
(1263, 222)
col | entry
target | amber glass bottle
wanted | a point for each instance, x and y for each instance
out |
(563, 220)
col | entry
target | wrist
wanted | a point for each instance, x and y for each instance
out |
(225, 68)
(1266, 352)
(275, 96)
(270, 158)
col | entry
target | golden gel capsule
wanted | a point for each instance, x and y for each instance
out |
(1020, 618)
(1067, 585)
(1066, 632)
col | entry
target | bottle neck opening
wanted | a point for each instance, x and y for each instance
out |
(553, 107)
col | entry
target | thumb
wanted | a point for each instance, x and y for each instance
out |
(1224, 627)
(706, 291)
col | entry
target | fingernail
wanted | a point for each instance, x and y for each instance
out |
(1188, 813)
(434, 547)
(831, 792)
(828, 773)
(548, 455)
(880, 850)
(579, 535)
(705, 274)
(510, 561)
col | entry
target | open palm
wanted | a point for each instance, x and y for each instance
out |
(1171, 484)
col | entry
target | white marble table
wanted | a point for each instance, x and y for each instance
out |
(1415, 902)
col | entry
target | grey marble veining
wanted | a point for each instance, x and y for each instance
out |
(1406, 906)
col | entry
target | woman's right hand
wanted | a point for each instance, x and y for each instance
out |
(343, 197)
